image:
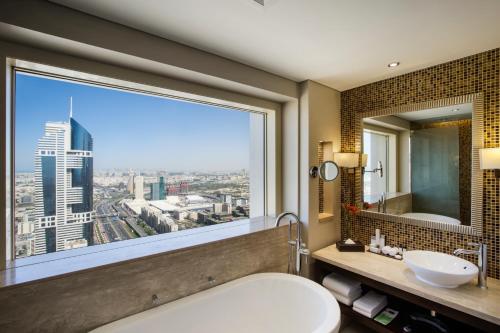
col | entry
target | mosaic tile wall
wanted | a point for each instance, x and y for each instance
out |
(321, 189)
(479, 73)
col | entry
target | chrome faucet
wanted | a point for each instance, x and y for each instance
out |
(297, 244)
(482, 261)
(382, 206)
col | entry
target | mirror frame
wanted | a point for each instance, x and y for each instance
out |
(476, 227)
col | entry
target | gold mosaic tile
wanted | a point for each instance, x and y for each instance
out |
(479, 73)
(321, 191)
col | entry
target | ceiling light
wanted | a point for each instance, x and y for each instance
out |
(393, 64)
(456, 110)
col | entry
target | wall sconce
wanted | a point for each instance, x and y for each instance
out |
(379, 170)
(489, 158)
(346, 160)
(364, 160)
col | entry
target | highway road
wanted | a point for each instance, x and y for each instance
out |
(111, 227)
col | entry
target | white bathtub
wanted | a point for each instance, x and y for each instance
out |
(267, 302)
(432, 217)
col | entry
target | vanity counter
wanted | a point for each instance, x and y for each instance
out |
(468, 298)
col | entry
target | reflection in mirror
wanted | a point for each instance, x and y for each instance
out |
(419, 163)
(328, 171)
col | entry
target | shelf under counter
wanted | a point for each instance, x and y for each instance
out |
(466, 303)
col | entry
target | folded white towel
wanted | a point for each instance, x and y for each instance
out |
(346, 300)
(371, 303)
(369, 314)
(341, 285)
(366, 314)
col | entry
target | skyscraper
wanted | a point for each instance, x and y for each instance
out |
(63, 188)
(162, 188)
(157, 190)
(130, 184)
(154, 191)
(139, 187)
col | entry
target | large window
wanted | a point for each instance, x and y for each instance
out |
(96, 164)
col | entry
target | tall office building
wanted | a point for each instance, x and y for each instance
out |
(130, 183)
(157, 190)
(139, 187)
(163, 192)
(154, 190)
(63, 188)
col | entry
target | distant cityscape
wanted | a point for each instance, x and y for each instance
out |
(66, 204)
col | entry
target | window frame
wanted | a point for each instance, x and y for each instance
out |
(160, 86)
(391, 169)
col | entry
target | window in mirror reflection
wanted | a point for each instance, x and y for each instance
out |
(380, 146)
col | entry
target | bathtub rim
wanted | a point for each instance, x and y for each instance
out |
(332, 311)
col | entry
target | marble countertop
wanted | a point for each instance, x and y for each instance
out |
(468, 298)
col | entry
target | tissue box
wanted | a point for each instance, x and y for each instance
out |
(357, 247)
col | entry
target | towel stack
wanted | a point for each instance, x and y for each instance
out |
(370, 304)
(345, 290)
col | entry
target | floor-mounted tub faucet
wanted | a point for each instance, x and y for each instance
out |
(482, 261)
(297, 244)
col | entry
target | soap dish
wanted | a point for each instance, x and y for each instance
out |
(356, 247)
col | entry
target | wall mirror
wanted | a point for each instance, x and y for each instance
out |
(421, 164)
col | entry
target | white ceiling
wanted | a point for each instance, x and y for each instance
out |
(342, 44)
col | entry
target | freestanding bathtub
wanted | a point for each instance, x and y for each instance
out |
(266, 302)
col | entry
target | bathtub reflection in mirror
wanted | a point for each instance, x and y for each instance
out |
(421, 161)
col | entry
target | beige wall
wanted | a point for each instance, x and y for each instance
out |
(290, 156)
(319, 121)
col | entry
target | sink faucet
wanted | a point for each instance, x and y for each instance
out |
(482, 261)
(382, 206)
(297, 244)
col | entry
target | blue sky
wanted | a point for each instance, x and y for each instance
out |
(132, 130)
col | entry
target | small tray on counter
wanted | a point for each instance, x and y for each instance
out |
(356, 247)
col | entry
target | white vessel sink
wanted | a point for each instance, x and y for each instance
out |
(440, 269)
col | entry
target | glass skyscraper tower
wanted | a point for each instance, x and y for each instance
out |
(63, 188)
(157, 190)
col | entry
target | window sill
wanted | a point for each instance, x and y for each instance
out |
(53, 265)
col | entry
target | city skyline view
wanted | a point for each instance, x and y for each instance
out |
(118, 165)
(197, 132)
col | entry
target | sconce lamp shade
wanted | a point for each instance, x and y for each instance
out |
(489, 158)
(364, 160)
(346, 160)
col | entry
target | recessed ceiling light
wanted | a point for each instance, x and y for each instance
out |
(456, 110)
(393, 64)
